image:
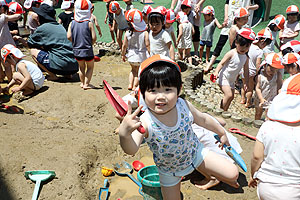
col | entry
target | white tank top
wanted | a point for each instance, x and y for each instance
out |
(231, 69)
(174, 148)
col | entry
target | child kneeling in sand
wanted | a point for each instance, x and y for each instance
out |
(167, 120)
(26, 74)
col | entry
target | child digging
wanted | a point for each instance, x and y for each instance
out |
(82, 34)
(26, 74)
(167, 120)
(268, 83)
(255, 53)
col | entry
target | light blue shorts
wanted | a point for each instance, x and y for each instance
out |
(171, 179)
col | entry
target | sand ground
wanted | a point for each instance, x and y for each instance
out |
(71, 131)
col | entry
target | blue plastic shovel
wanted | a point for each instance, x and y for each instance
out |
(231, 152)
(38, 177)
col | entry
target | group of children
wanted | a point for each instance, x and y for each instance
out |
(148, 46)
(245, 60)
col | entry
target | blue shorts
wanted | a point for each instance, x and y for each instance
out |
(169, 180)
(205, 43)
(43, 58)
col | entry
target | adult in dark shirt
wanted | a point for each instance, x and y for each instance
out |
(50, 47)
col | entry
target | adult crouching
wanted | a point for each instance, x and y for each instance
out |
(50, 47)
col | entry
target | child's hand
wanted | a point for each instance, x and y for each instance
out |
(261, 104)
(105, 21)
(252, 183)
(15, 89)
(224, 140)
(130, 122)
(216, 75)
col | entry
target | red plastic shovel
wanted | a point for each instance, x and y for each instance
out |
(238, 131)
(117, 102)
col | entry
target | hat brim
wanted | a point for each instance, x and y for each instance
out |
(285, 108)
(66, 5)
(139, 27)
(156, 59)
(170, 21)
(43, 14)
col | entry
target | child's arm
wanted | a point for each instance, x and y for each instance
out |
(224, 60)
(130, 138)
(257, 159)
(12, 18)
(180, 33)
(232, 35)
(198, 5)
(207, 122)
(257, 64)
(93, 32)
(147, 42)
(23, 70)
(97, 26)
(258, 92)
(246, 74)
(174, 39)
(105, 19)
(220, 26)
(59, 21)
(279, 82)
(171, 50)
(124, 48)
(193, 31)
(69, 33)
(292, 35)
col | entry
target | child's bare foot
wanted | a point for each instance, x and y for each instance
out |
(81, 85)
(89, 86)
(129, 87)
(243, 101)
(206, 184)
(248, 105)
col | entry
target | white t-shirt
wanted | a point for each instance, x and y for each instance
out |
(158, 43)
(271, 47)
(254, 53)
(136, 50)
(290, 29)
(193, 3)
(281, 150)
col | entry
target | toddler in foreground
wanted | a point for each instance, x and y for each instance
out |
(167, 120)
